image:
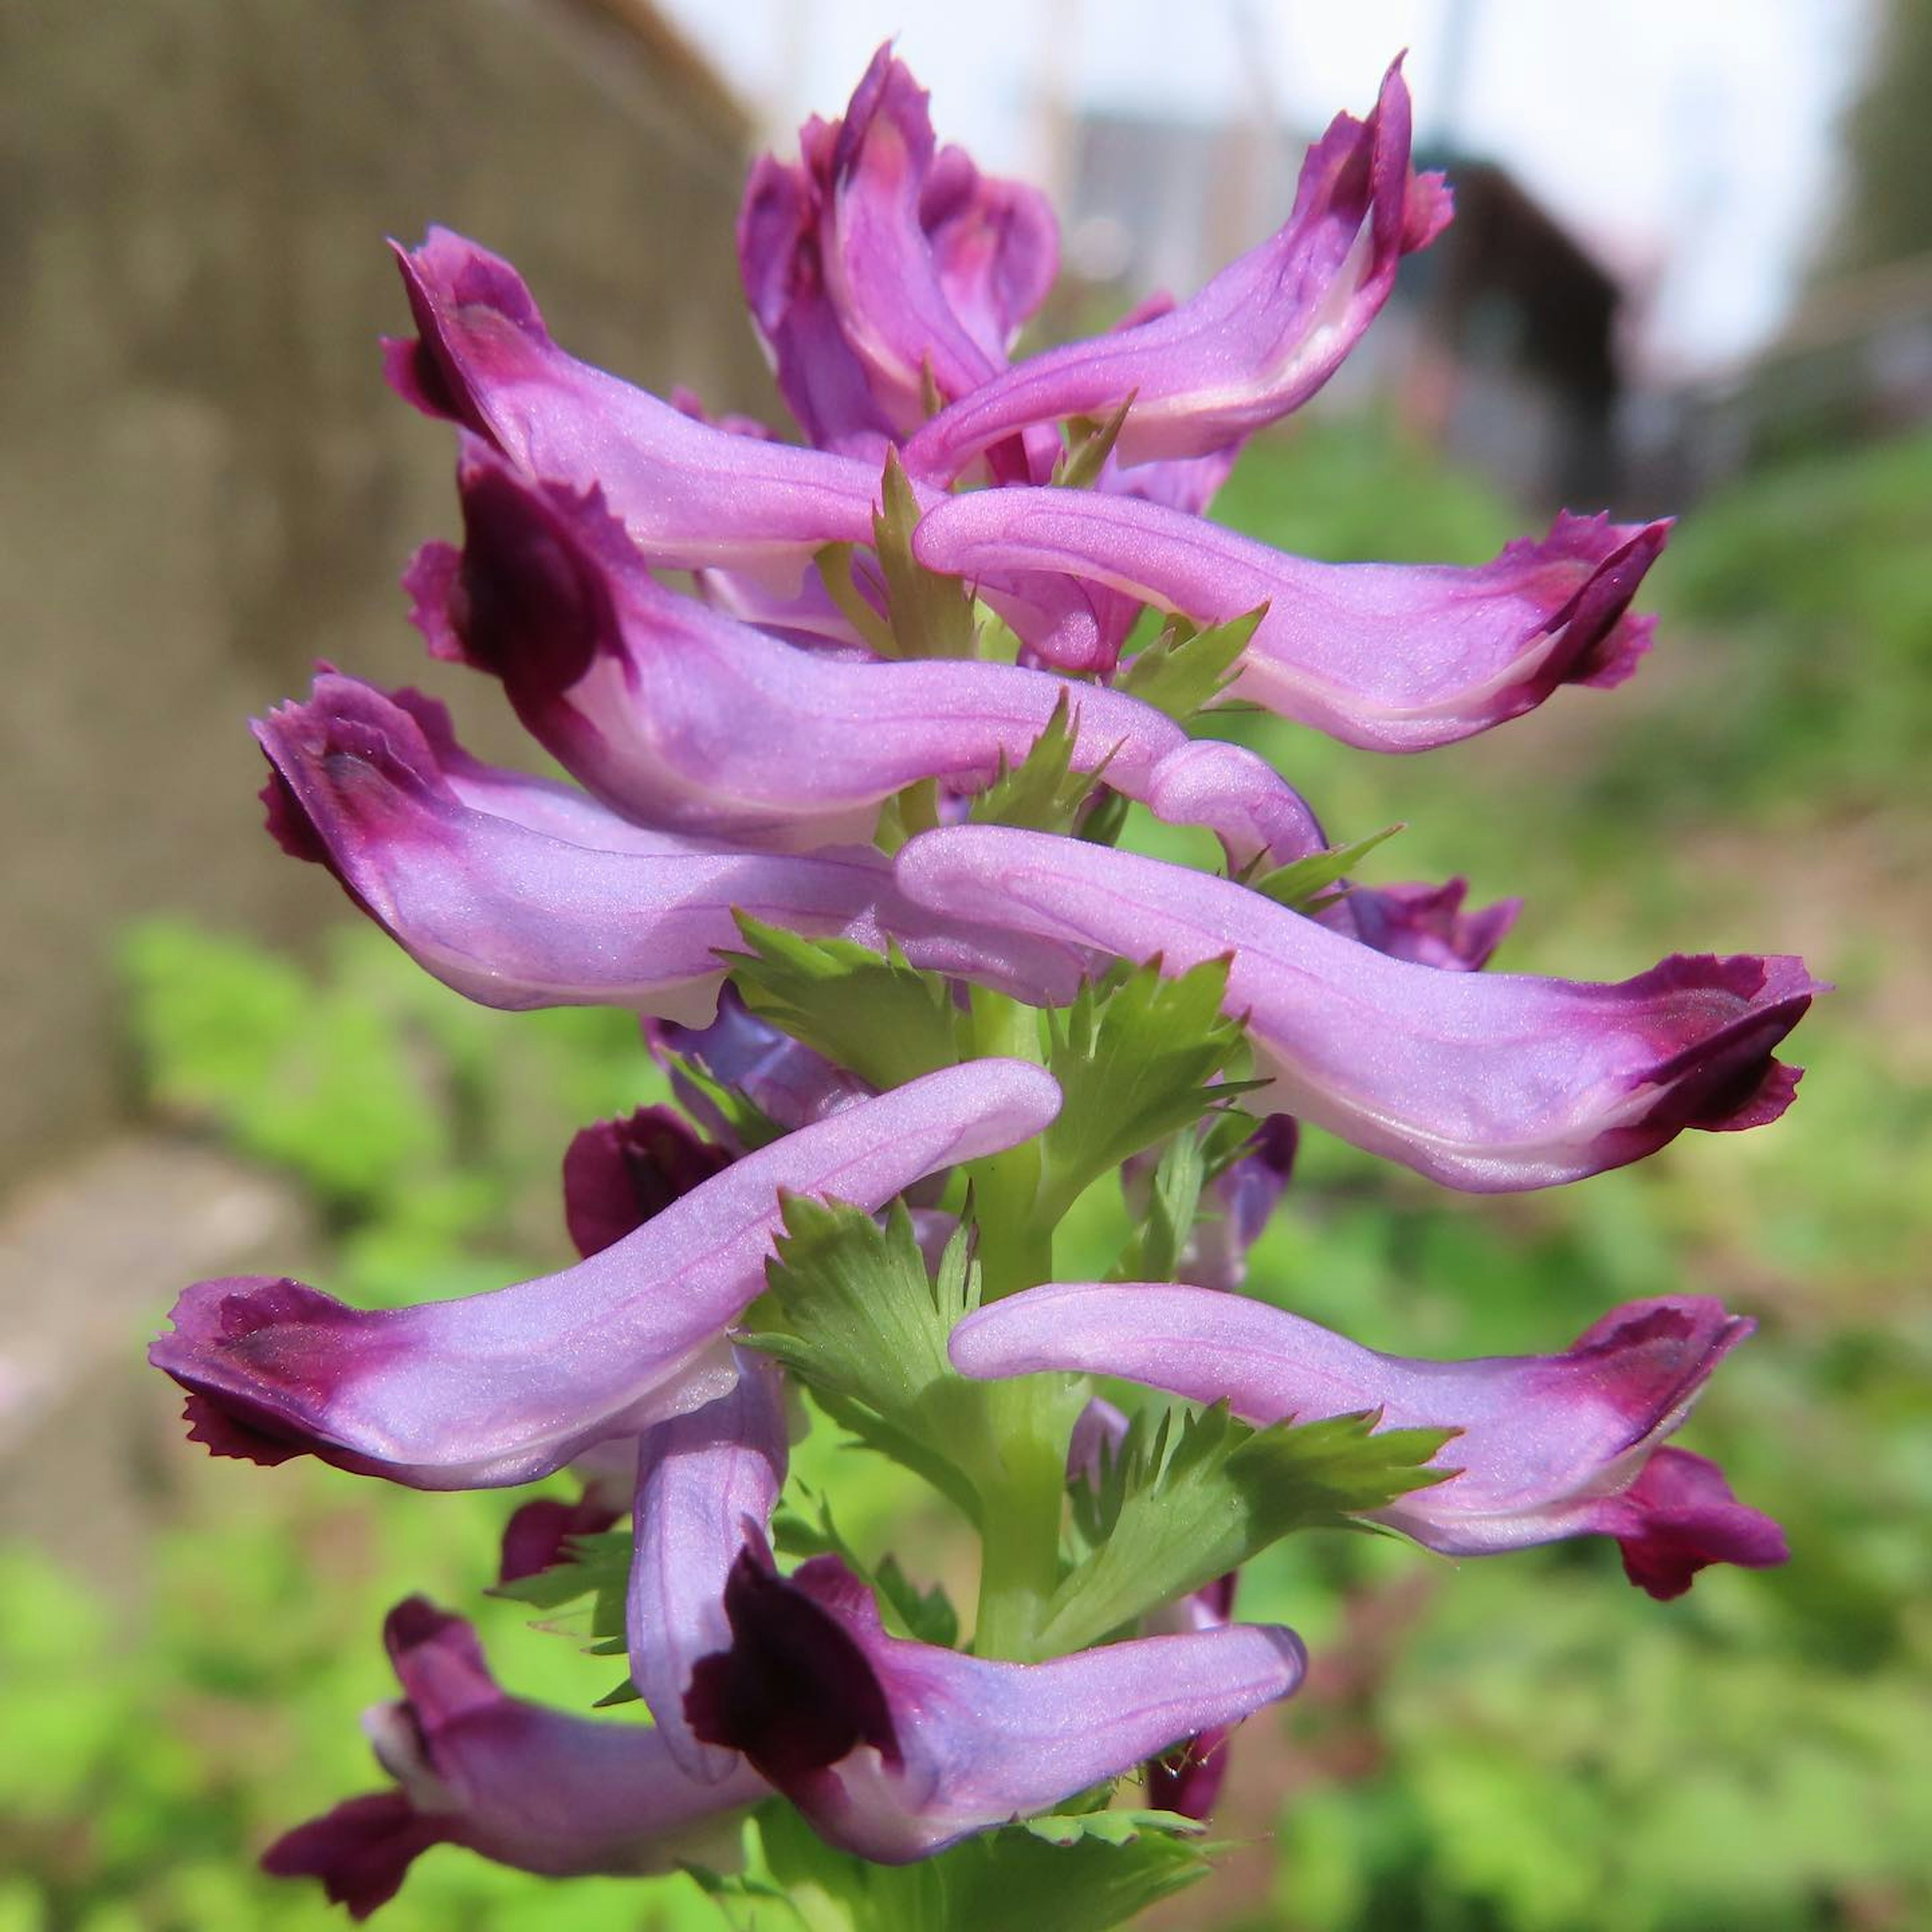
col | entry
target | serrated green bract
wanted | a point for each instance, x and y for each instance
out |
(1135, 1055)
(1042, 792)
(886, 1020)
(850, 1310)
(1100, 1878)
(1110, 1827)
(1303, 885)
(1154, 1251)
(931, 615)
(1184, 668)
(596, 1566)
(1089, 445)
(1174, 1510)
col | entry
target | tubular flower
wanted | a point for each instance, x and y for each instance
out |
(504, 1388)
(560, 1796)
(1257, 342)
(1238, 1203)
(879, 271)
(1549, 1446)
(1389, 657)
(683, 719)
(688, 493)
(1487, 1081)
(895, 1749)
(520, 892)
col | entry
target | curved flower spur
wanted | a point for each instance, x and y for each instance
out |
(772, 775)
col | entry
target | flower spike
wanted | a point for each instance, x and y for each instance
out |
(545, 1792)
(504, 1388)
(895, 1749)
(1550, 1446)
(1487, 1081)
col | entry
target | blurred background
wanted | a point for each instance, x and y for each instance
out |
(1691, 272)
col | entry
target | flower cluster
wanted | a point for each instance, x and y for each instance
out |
(844, 831)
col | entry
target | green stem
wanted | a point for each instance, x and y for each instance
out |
(1021, 1493)
(1015, 1245)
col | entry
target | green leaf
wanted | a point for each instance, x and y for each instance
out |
(1135, 1055)
(1172, 1512)
(886, 1020)
(751, 1128)
(850, 1309)
(1089, 445)
(1301, 886)
(835, 568)
(597, 1567)
(1184, 668)
(1042, 792)
(1154, 1252)
(931, 615)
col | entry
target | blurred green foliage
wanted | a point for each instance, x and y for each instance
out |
(1523, 1745)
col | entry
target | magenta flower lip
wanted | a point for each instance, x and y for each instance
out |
(895, 1749)
(1487, 1081)
(506, 1387)
(1548, 1446)
(1388, 657)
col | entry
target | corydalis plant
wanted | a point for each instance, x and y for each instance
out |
(843, 835)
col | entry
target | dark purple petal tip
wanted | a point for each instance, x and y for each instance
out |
(794, 1692)
(360, 1851)
(618, 1175)
(1679, 1516)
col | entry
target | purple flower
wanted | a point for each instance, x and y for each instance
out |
(504, 1388)
(1257, 342)
(688, 493)
(681, 718)
(788, 1083)
(1550, 1446)
(1390, 657)
(521, 893)
(1488, 1081)
(875, 268)
(895, 1749)
(525, 1786)
(706, 1484)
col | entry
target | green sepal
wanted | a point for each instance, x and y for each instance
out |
(850, 1310)
(931, 615)
(1174, 1509)
(750, 1127)
(1184, 668)
(1089, 445)
(1135, 1055)
(1098, 1878)
(885, 1019)
(1042, 792)
(1304, 886)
